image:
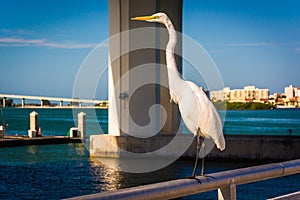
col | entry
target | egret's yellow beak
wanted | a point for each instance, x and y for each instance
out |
(144, 18)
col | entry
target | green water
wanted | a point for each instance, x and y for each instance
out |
(66, 170)
(59, 121)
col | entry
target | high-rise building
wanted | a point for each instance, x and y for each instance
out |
(297, 92)
(289, 92)
(220, 95)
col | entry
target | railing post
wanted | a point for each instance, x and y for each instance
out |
(227, 193)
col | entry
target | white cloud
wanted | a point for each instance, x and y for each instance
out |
(18, 31)
(256, 44)
(68, 45)
(262, 44)
(21, 42)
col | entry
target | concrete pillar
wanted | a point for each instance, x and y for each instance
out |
(227, 193)
(41, 103)
(80, 104)
(33, 124)
(60, 103)
(23, 102)
(82, 124)
(125, 103)
(4, 102)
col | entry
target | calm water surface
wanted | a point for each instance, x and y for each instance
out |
(263, 122)
(66, 170)
(59, 121)
(62, 171)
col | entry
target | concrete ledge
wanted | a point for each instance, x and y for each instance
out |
(113, 146)
(259, 148)
(11, 141)
(238, 147)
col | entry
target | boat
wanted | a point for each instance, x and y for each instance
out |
(282, 106)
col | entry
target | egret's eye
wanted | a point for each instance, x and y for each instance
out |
(156, 17)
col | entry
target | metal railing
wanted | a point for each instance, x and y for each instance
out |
(225, 182)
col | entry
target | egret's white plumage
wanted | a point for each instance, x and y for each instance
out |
(197, 111)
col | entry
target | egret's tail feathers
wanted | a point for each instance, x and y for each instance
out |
(221, 143)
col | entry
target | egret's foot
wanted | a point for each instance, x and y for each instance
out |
(206, 177)
(194, 177)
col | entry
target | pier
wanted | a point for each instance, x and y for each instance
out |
(35, 137)
(61, 100)
(13, 141)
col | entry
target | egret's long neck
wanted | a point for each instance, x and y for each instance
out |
(173, 74)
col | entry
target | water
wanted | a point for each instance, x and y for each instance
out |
(263, 122)
(59, 121)
(66, 170)
(53, 121)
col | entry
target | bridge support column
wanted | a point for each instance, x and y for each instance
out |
(41, 103)
(60, 103)
(23, 102)
(125, 101)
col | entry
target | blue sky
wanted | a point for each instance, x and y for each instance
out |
(43, 43)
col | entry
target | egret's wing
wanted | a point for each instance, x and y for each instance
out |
(207, 117)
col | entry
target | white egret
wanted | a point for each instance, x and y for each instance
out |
(197, 111)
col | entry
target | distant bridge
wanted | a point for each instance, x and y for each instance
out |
(42, 98)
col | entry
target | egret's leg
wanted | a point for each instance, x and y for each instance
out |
(202, 167)
(197, 155)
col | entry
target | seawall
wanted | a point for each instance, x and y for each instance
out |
(259, 148)
(238, 147)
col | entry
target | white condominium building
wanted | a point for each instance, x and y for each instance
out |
(248, 94)
(221, 95)
(291, 92)
(297, 92)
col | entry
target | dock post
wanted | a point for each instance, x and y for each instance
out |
(4, 102)
(81, 124)
(227, 193)
(33, 124)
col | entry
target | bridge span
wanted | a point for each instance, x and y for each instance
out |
(42, 98)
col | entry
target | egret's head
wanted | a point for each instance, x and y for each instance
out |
(157, 17)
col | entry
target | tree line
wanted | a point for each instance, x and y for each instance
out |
(242, 106)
